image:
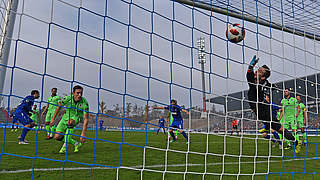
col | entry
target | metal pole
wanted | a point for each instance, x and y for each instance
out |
(202, 61)
(249, 18)
(203, 88)
(6, 36)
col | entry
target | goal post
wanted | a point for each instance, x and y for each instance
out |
(8, 21)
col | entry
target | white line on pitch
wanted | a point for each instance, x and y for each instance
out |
(138, 167)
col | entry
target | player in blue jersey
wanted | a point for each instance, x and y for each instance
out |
(101, 124)
(23, 113)
(177, 123)
(161, 125)
(15, 123)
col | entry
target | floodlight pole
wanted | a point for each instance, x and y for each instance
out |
(5, 39)
(202, 61)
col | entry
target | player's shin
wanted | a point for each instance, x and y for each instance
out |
(172, 135)
(68, 137)
(24, 133)
(276, 135)
(185, 135)
(288, 135)
(53, 128)
(304, 136)
(48, 129)
(297, 136)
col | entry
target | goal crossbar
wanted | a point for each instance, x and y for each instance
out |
(249, 18)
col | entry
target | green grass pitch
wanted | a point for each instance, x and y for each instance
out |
(191, 162)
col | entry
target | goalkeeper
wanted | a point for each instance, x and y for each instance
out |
(78, 108)
(259, 86)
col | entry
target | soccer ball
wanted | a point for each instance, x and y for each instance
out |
(235, 33)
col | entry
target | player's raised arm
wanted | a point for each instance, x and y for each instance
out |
(185, 111)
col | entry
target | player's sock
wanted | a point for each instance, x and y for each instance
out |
(176, 132)
(164, 130)
(158, 131)
(68, 137)
(52, 130)
(48, 129)
(280, 136)
(24, 133)
(185, 135)
(297, 136)
(172, 135)
(288, 142)
(276, 135)
(304, 136)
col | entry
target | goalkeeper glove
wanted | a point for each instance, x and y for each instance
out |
(254, 61)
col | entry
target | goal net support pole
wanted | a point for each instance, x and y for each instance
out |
(5, 42)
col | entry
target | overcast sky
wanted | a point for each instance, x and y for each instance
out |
(70, 56)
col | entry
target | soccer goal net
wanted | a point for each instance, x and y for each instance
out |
(132, 58)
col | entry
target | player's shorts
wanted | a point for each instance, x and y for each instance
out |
(235, 127)
(288, 123)
(274, 125)
(22, 117)
(64, 123)
(35, 120)
(264, 115)
(177, 124)
(49, 115)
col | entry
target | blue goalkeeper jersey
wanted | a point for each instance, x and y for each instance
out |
(26, 104)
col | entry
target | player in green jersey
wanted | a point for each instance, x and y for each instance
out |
(290, 111)
(51, 108)
(77, 108)
(302, 119)
(35, 116)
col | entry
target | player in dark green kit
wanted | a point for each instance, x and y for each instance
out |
(35, 116)
(302, 119)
